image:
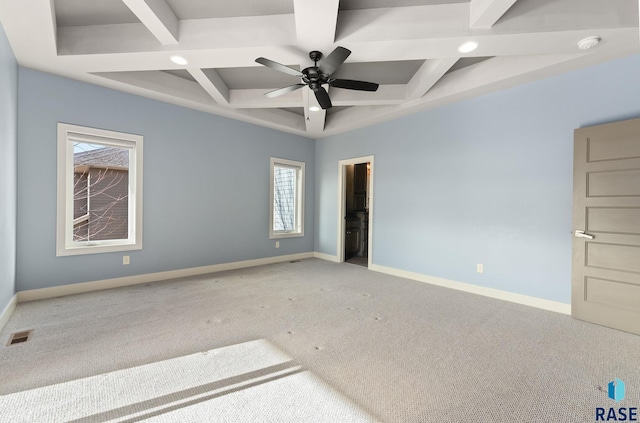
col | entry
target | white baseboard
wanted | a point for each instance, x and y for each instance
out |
(327, 257)
(549, 305)
(79, 288)
(8, 311)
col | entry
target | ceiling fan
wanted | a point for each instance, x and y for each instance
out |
(315, 76)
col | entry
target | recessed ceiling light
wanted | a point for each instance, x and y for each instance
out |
(178, 60)
(589, 42)
(314, 108)
(468, 47)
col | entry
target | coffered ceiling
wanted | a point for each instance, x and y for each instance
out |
(409, 47)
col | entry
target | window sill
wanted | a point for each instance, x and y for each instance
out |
(278, 235)
(98, 248)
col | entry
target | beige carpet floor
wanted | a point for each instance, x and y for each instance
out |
(357, 346)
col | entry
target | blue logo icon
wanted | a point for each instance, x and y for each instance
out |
(616, 390)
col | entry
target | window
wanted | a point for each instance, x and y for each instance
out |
(287, 199)
(99, 191)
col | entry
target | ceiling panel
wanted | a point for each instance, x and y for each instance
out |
(256, 77)
(336, 109)
(199, 9)
(383, 73)
(82, 12)
(467, 61)
(296, 110)
(181, 73)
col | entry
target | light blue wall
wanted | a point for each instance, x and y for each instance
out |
(206, 184)
(487, 180)
(8, 165)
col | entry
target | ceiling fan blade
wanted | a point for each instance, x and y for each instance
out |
(350, 84)
(333, 61)
(280, 91)
(278, 66)
(323, 98)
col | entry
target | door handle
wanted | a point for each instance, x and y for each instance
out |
(581, 234)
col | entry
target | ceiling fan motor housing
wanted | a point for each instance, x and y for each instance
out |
(312, 77)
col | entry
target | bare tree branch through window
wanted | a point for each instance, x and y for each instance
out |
(100, 192)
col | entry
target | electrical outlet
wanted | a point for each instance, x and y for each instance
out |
(126, 260)
(480, 268)
(277, 244)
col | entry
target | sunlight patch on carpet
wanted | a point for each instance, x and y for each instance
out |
(252, 381)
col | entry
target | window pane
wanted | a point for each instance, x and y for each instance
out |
(100, 192)
(284, 198)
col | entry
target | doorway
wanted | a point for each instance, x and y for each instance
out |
(355, 210)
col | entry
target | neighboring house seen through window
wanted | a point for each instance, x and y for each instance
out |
(287, 198)
(99, 191)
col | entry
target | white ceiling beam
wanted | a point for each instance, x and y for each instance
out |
(195, 34)
(166, 87)
(212, 84)
(485, 13)
(403, 23)
(315, 25)
(161, 82)
(363, 51)
(33, 42)
(406, 33)
(386, 94)
(255, 98)
(441, 22)
(314, 121)
(426, 77)
(277, 119)
(158, 17)
(560, 42)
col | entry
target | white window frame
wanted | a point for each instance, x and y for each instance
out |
(298, 231)
(67, 135)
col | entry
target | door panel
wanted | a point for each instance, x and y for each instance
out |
(613, 257)
(606, 206)
(614, 183)
(622, 294)
(614, 220)
(613, 145)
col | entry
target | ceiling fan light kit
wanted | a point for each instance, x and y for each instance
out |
(178, 60)
(468, 47)
(316, 76)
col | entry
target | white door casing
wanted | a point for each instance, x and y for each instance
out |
(342, 207)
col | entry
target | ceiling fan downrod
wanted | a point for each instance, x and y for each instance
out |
(312, 75)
